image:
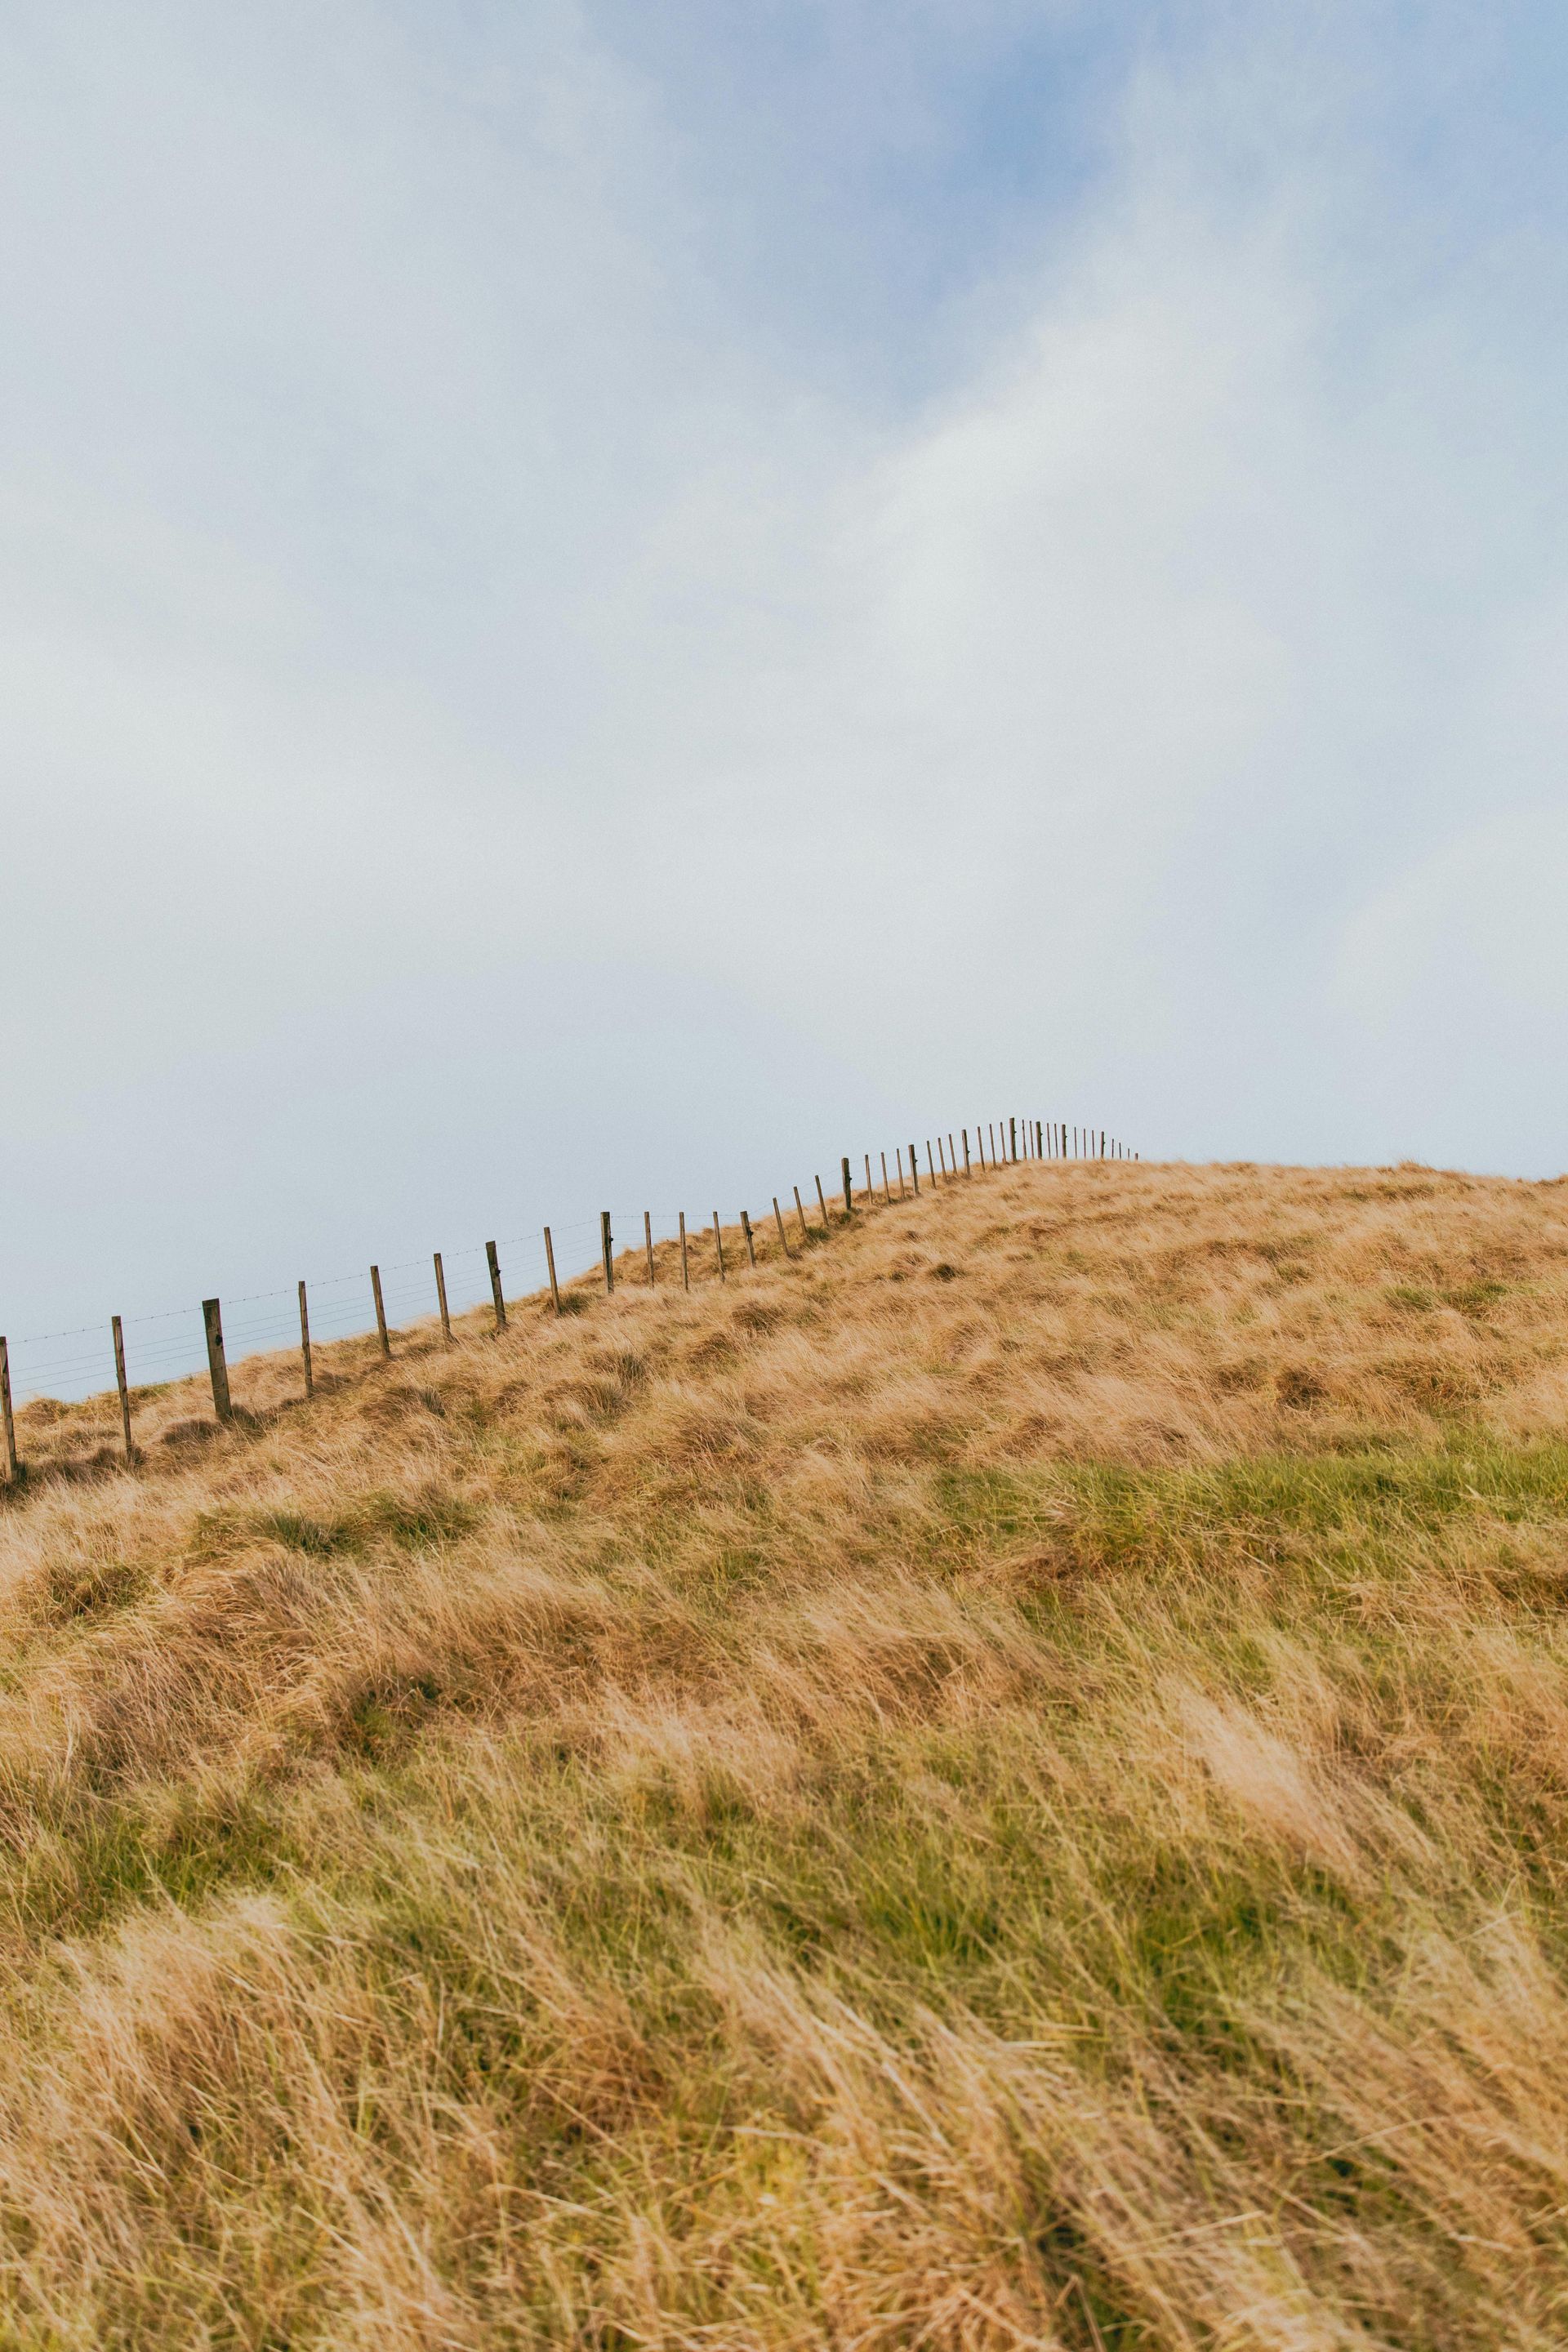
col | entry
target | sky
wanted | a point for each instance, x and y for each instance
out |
(601, 604)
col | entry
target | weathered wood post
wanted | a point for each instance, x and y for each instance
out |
(305, 1342)
(886, 1187)
(119, 1338)
(13, 1466)
(380, 1310)
(550, 1262)
(800, 1212)
(497, 1301)
(217, 1368)
(441, 1299)
(647, 1242)
(898, 1156)
(778, 1220)
(607, 1250)
(871, 1188)
(967, 1169)
(914, 1171)
(848, 1195)
(685, 1271)
(822, 1204)
(719, 1244)
(746, 1229)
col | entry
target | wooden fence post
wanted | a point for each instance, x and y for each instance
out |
(746, 1229)
(719, 1244)
(822, 1204)
(217, 1369)
(550, 1262)
(441, 1299)
(914, 1171)
(848, 1195)
(380, 1310)
(952, 1153)
(886, 1187)
(993, 1143)
(898, 1156)
(871, 1188)
(684, 1273)
(497, 1301)
(647, 1242)
(1013, 1148)
(800, 1212)
(305, 1343)
(120, 1383)
(967, 1169)
(930, 1163)
(778, 1220)
(13, 1466)
(607, 1250)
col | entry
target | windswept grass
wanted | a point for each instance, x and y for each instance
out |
(1003, 1783)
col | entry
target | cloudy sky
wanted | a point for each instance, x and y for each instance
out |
(599, 604)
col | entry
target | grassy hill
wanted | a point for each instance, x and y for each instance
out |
(1002, 1783)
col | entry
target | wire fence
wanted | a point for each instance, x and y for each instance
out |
(171, 1345)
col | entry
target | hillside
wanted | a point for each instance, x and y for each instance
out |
(1002, 1783)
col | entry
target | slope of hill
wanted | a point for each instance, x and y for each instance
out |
(1002, 1783)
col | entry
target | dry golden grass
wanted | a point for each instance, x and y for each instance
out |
(1003, 1783)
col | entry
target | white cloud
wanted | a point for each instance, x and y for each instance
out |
(422, 585)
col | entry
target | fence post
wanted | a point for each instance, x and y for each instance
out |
(647, 1242)
(822, 1204)
(886, 1187)
(967, 1169)
(719, 1244)
(871, 1188)
(930, 1163)
(305, 1343)
(607, 1250)
(746, 1229)
(217, 1369)
(914, 1171)
(800, 1212)
(441, 1299)
(778, 1220)
(13, 1466)
(550, 1262)
(119, 1337)
(685, 1275)
(499, 1303)
(898, 1156)
(848, 1196)
(380, 1310)
(951, 1152)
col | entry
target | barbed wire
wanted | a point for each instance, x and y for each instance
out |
(344, 1319)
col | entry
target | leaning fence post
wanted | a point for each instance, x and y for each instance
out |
(930, 1163)
(719, 1244)
(886, 1187)
(217, 1369)
(746, 1229)
(685, 1275)
(380, 1310)
(305, 1341)
(647, 1242)
(800, 1212)
(13, 1467)
(914, 1171)
(822, 1204)
(120, 1383)
(499, 1303)
(778, 1220)
(441, 1299)
(898, 1156)
(848, 1196)
(550, 1262)
(871, 1188)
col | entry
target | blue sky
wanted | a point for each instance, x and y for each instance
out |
(602, 604)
